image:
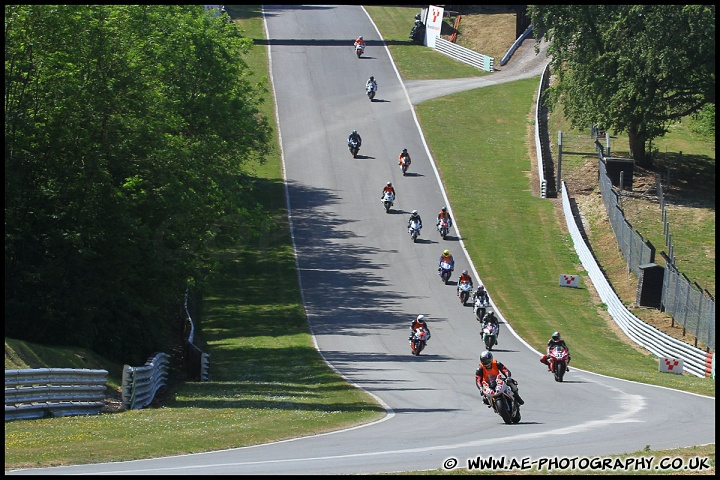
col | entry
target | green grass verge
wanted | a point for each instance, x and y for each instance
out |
(255, 395)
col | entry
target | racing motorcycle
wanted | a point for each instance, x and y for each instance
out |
(464, 290)
(489, 335)
(557, 358)
(387, 201)
(480, 307)
(359, 50)
(354, 147)
(418, 341)
(404, 164)
(443, 227)
(501, 399)
(414, 230)
(445, 270)
(370, 90)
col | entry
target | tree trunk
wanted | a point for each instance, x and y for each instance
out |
(636, 141)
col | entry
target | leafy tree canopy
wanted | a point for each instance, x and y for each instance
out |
(630, 68)
(126, 131)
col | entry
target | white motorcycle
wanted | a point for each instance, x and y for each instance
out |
(501, 399)
(371, 89)
(445, 271)
(359, 50)
(480, 307)
(490, 334)
(443, 227)
(414, 230)
(387, 201)
(464, 291)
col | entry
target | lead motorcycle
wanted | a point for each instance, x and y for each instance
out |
(359, 50)
(558, 358)
(387, 201)
(501, 399)
(354, 147)
(445, 271)
(464, 291)
(414, 230)
(418, 341)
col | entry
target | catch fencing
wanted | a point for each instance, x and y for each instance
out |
(53, 392)
(696, 361)
(686, 302)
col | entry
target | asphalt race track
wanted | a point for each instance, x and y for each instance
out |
(364, 280)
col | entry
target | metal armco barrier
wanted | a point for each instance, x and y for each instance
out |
(140, 384)
(696, 361)
(53, 392)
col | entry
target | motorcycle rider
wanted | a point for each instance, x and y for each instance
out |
(491, 318)
(555, 340)
(464, 277)
(415, 217)
(443, 215)
(404, 157)
(446, 257)
(354, 136)
(481, 293)
(388, 188)
(360, 42)
(371, 81)
(419, 322)
(488, 370)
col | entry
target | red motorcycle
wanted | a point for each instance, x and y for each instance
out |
(557, 359)
(418, 341)
(443, 227)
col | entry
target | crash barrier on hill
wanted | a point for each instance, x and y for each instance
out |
(465, 55)
(140, 384)
(53, 392)
(548, 188)
(696, 361)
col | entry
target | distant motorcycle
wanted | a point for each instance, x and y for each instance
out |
(558, 358)
(480, 307)
(464, 290)
(354, 147)
(445, 271)
(359, 50)
(489, 335)
(404, 165)
(418, 341)
(501, 399)
(371, 89)
(387, 201)
(444, 227)
(414, 230)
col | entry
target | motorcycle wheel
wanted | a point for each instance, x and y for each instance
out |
(464, 298)
(504, 410)
(559, 371)
(516, 417)
(387, 207)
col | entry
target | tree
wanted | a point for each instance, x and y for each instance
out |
(126, 131)
(629, 68)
